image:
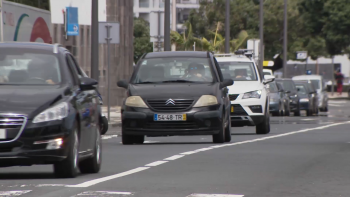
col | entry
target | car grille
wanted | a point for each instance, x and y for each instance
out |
(180, 105)
(233, 96)
(170, 125)
(238, 110)
(12, 124)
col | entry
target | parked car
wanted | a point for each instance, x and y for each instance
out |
(279, 100)
(320, 85)
(289, 88)
(249, 96)
(174, 94)
(49, 111)
(307, 100)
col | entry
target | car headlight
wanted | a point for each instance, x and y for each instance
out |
(135, 101)
(206, 100)
(253, 94)
(304, 100)
(57, 112)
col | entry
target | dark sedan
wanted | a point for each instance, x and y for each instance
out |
(176, 93)
(289, 87)
(308, 102)
(279, 100)
(49, 110)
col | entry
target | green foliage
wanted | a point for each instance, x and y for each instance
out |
(142, 42)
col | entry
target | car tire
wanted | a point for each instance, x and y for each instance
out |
(93, 164)
(317, 111)
(104, 125)
(326, 109)
(220, 137)
(297, 112)
(309, 112)
(264, 126)
(68, 168)
(228, 131)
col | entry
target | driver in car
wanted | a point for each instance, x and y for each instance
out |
(196, 72)
(41, 72)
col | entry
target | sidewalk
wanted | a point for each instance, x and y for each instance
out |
(115, 117)
(335, 96)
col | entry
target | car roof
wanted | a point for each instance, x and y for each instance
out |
(195, 54)
(234, 58)
(304, 77)
(283, 79)
(31, 45)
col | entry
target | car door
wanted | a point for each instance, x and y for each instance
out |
(224, 91)
(92, 103)
(82, 105)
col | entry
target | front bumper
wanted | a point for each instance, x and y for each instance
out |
(34, 145)
(200, 121)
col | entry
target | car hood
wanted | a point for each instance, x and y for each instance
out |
(173, 90)
(303, 95)
(28, 100)
(240, 87)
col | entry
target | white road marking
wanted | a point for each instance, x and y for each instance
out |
(133, 171)
(106, 137)
(215, 195)
(50, 185)
(202, 149)
(107, 178)
(334, 105)
(174, 157)
(149, 142)
(332, 101)
(14, 193)
(102, 193)
(307, 119)
(156, 163)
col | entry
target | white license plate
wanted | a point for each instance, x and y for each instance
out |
(2, 133)
(170, 117)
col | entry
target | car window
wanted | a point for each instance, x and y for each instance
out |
(77, 67)
(288, 86)
(239, 71)
(29, 67)
(316, 83)
(301, 88)
(272, 87)
(218, 70)
(174, 69)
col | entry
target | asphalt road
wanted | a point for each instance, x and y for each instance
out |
(302, 156)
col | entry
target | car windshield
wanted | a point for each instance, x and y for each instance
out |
(267, 73)
(316, 83)
(174, 70)
(288, 85)
(301, 88)
(28, 67)
(239, 71)
(272, 87)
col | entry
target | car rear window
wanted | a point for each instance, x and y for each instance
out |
(288, 85)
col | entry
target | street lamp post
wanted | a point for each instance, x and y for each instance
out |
(261, 32)
(167, 25)
(285, 52)
(94, 40)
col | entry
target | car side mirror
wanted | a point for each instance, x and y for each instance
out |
(226, 82)
(123, 84)
(87, 83)
(268, 79)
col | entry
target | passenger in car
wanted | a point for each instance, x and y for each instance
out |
(196, 72)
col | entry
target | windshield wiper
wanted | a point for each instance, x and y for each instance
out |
(146, 82)
(177, 81)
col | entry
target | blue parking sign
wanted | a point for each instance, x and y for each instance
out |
(308, 72)
(72, 21)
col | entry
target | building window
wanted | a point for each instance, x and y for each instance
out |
(161, 3)
(144, 3)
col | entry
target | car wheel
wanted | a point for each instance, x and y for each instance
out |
(220, 137)
(309, 112)
(104, 125)
(228, 131)
(316, 111)
(93, 164)
(68, 168)
(326, 109)
(297, 112)
(264, 126)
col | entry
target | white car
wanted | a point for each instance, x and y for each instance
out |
(249, 94)
(320, 85)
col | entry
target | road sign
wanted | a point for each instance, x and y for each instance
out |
(308, 72)
(301, 55)
(72, 21)
(114, 34)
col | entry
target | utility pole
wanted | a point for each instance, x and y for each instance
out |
(227, 27)
(167, 25)
(94, 40)
(261, 31)
(173, 25)
(333, 78)
(1, 24)
(285, 40)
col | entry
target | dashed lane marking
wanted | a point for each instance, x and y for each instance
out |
(13, 193)
(104, 193)
(156, 163)
(139, 169)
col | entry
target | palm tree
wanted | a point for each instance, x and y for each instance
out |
(186, 39)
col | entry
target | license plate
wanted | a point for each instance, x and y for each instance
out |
(170, 117)
(2, 133)
(232, 109)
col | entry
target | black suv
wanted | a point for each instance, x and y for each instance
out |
(49, 110)
(176, 93)
(290, 88)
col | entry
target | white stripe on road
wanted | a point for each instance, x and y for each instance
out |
(307, 119)
(332, 101)
(103, 193)
(107, 178)
(334, 105)
(100, 180)
(156, 163)
(174, 157)
(14, 193)
(106, 137)
(215, 195)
